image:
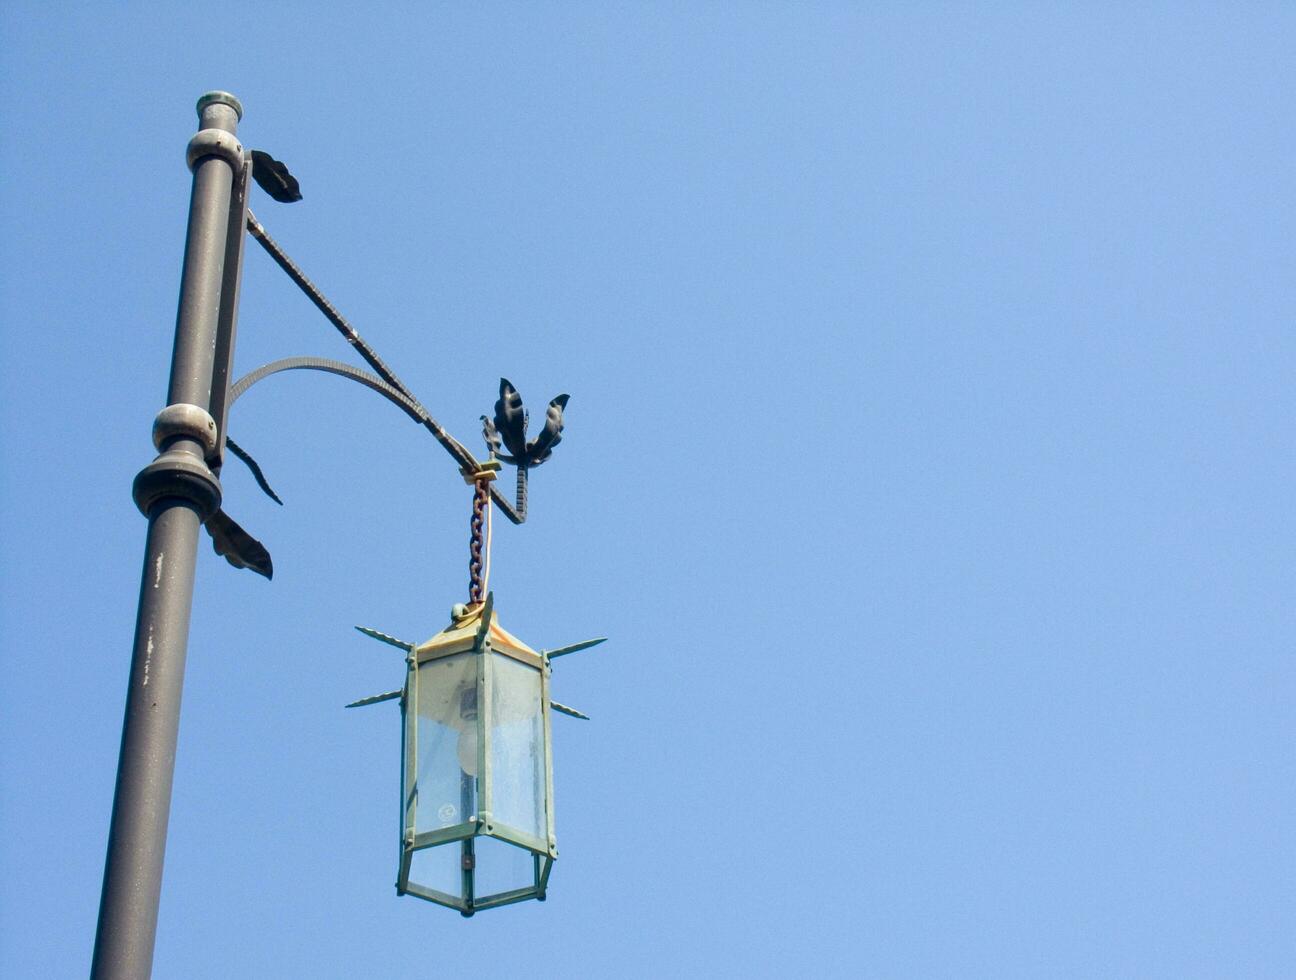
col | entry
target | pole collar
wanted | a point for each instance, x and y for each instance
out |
(220, 98)
(214, 142)
(179, 475)
(186, 420)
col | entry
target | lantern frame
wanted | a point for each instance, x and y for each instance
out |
(478, 633)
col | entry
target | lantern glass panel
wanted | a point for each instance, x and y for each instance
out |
(501, 867)
(448, 737)
(439, 868)
(517, 750)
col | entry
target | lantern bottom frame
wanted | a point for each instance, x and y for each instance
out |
(465, 836)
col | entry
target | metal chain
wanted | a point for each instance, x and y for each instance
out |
(476, 543)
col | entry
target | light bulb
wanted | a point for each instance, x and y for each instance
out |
(467, 749)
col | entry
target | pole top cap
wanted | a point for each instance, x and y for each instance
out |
(221, 98)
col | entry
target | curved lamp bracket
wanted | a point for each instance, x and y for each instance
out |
(515, 513)
(506, 431)
(373, 382)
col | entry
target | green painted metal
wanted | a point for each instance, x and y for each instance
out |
(481, 651)
(478, 821)
(545, 864)
(511, 835)
(485, 680)
(384, 638)
(483, 629)
(562, 708)
(432, 895)
(375, 699)
(572, 648)
(469, 859)
(444, 835)
(409, 759)
(545, 675)
(506, 898)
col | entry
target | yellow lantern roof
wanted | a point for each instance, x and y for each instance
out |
(465, 633)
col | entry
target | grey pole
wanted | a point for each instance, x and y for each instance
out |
(177, 492)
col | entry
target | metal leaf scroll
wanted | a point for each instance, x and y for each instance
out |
(274, 178)
(490, 435)
(511, 425)
(511, 421)
(541, 447)
(238, 547)
(240, 453)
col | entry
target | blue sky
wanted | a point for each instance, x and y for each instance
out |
(928, 462)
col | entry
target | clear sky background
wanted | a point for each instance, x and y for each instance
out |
(929, 462)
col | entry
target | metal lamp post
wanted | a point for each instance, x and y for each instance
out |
(177, 492)
(473, 680)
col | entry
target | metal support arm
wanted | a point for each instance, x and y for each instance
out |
(410, 406)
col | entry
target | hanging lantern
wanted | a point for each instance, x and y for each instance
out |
(477, 827)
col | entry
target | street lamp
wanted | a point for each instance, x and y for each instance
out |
(477, 827)
(477, 811)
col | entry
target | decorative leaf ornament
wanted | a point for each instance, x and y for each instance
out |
(541, 447)
(238, 547)
(511, 427)
(511, 422)
(490, 435)
(274, 178)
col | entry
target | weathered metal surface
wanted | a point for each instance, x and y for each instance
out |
(485, 621)
(406, 405)
(187, 421)
(385, 638)
(563, 709)
(477, 556)
(238, 547)
(273, 178)
(510, 426)
(573, 648)
(396, 390)
(474, 629)
(456, 449)
(227, 326)
(176, 492)
(246, 457)
(376, 699)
